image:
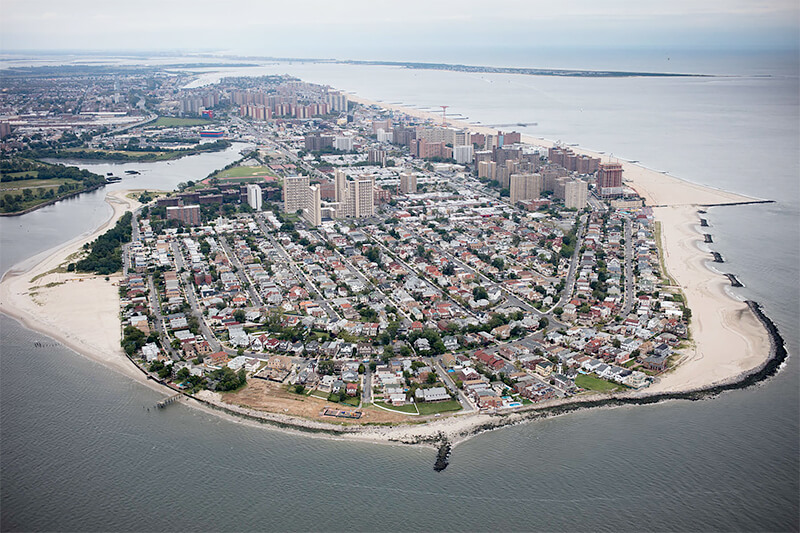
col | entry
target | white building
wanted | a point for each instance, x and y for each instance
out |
(254, 197)
(463, 154)
(384, 136)
(344, 143)
(312, 213)
(575, 194)
(295, 193)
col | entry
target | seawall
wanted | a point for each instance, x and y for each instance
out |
(769, 368)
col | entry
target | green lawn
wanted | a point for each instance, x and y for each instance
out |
(351, 400)
(244, 172)
(37, 187)
(408, 408)
(26, 174)
(592, 382)
(34, 183)
(438, 407)
(174, 122)
(133, 154)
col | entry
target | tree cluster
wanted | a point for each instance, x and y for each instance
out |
(105, 253)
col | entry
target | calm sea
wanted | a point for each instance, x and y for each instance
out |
(80, 451)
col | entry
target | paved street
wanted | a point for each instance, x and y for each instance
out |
(241, 273)
(630, 282)
(298, 272)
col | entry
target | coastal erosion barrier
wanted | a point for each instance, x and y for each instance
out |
(707, 238)
(443, 456)
(734, 282)
(703, 223)
(444, 445)
(766, 370)
(727, 204)
(717, 257)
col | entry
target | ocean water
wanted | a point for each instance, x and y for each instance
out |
(80, 451)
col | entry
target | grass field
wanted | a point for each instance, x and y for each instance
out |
(158, 156)
(438, 407)
(230, 181)
(244, 172)
(408, 408)
(174, 122)
(351, 400)
(34, 184)
(592, 382)
(27, 174)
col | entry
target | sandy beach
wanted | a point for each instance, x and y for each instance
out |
(79, 310)
(727, 338)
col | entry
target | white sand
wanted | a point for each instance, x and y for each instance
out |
(79, 310)
(728, 339)
(82, 311)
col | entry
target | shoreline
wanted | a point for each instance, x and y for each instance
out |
(94, 333)
(762, 359)
(50, 202)
(457, 429)
(715, 313)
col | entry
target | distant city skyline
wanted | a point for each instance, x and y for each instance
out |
(362, 29)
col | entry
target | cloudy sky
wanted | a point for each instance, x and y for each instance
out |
(374, 29)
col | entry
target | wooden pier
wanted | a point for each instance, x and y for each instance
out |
(166, 401)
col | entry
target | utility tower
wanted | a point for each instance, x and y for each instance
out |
(444, 114)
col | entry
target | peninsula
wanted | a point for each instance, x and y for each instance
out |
(369, 272)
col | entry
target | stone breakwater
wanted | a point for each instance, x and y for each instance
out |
(445, 441)
(734, 280)
(769, 368)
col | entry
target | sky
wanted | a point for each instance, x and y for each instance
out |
(402, 30)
